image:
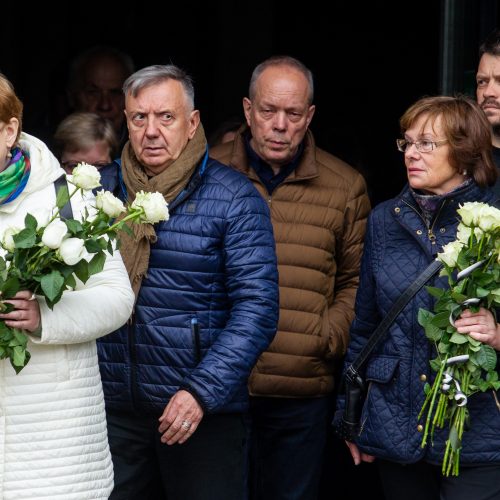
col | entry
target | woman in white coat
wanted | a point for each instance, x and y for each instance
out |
(53, 439)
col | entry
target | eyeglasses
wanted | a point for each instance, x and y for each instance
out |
(70, 165)
(422, 146)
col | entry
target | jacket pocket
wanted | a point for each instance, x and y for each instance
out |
(381, 369)
(380, 398)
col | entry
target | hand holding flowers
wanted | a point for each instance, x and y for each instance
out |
(49, 255)
(463, 327)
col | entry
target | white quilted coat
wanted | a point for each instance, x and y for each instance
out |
(53, 438)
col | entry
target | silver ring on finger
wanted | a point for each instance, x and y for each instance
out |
(186, 425)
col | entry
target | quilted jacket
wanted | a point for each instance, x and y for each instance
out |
(213, 266)
(398, 247)
(53, 438)
(319, 216)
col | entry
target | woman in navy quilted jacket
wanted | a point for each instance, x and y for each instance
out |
(447, 151)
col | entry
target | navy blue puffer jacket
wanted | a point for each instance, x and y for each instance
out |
(398, 248)
(208, 306)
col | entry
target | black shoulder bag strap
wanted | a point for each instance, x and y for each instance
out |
(352, 371)
(66, 211)
(354, 387)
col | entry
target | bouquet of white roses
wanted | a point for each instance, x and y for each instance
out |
(463, 365)
(49, 258)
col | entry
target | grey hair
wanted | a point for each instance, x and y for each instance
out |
(153, 75)
(274, 61)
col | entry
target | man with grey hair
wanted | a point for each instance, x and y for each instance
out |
(488, 91)
(318, 207)
(207, 304)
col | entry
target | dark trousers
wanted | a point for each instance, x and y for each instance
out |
(423, 481)
(287, 445)
(211, 465)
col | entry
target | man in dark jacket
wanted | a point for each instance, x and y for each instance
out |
(319, 207)
(207, 305)
(488, 91)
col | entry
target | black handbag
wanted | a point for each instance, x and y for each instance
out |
(354, 387)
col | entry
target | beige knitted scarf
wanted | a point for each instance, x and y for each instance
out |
(135, 250)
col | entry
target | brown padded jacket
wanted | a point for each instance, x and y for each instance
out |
(319, 215)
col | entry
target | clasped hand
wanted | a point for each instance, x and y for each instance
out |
(26, 312)
(480, 326)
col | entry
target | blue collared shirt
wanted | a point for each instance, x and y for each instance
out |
(265, 172)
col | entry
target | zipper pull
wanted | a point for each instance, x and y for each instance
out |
(431, 236)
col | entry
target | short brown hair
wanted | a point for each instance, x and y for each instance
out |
(10, 105)
(466, 129)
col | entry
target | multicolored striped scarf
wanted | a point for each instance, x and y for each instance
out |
(14, 177)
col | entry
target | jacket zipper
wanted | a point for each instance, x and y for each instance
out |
(430, 230)
(195, 334)
(133, 360)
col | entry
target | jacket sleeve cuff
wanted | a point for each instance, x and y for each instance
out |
(188, 388)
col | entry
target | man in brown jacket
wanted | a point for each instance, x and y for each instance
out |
(318, 208)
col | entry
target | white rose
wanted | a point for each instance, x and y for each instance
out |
(86, 176)
(54, 234)
(489, 218)
(72, 250)
(469, 212)
(109, 204)
(463, 233)
(450, 252)
(42, 216)
(8, 238)
(154, 206)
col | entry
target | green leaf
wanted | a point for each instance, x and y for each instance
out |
(487, 358)
(458, 297)
(97, 263)
(435, 364)
(30, 222)
(25, 238)
(73, 226)
(62, 196)
(433, 332)
(435, 292)
(70, 280)
(481, 292)
(92, 246)
(19, 356)
(441, 320)
(82, 270)
(10, 288)
(52, 285)
(454, 439)
(458, 338)
(21, 337)
(424, 317)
